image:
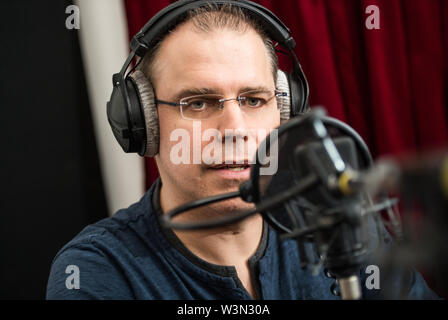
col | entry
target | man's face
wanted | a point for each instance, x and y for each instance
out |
(225, 62)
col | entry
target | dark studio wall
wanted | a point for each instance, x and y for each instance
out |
(50, 176)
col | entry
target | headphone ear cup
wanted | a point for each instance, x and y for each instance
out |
(118, 118)
(151, 117)
(284, 102)
(299, 92)
(125, 117)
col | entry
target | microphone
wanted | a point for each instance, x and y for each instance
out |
(312, 197)
(331, 215)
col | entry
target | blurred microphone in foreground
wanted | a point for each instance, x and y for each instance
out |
(422, 183)
(328, 193)
(309, 197)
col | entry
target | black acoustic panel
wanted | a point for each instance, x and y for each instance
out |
(51, 184)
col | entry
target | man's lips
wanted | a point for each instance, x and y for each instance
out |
(233, 171)
(244, 164)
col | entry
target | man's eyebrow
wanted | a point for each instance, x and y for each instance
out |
(255, 89)
(198, 91)
(194, 92)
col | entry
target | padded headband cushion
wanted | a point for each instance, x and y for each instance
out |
(146, 94)
(284, 103)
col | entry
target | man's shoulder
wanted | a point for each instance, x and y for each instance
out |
(104, 253)
(112, 230)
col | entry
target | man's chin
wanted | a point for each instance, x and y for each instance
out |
(217, 210)
(228, 177)
(231, 206)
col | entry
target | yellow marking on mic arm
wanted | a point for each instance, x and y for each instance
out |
(344, 182)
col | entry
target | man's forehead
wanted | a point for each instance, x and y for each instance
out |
(211, 58)
(188, 36)
(188, 27)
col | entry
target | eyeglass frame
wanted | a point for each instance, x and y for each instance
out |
(277, 93)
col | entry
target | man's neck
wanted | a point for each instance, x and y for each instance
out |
(230, 245)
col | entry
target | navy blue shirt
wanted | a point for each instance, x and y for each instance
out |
(129, 256)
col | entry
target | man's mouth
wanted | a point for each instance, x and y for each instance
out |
(231, 167)
(231, 171)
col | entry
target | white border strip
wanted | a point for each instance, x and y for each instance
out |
(104, 45)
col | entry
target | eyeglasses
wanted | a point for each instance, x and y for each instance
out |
(208, 106)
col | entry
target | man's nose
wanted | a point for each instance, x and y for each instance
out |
(232, 117)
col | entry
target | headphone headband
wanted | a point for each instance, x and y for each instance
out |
(172, 15)
(125, 111)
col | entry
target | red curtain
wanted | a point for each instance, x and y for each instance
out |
(390, 85)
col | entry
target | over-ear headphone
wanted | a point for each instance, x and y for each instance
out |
(132, 111)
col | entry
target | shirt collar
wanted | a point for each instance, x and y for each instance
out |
(178, 245)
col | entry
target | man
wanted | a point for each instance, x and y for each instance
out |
(218, 51)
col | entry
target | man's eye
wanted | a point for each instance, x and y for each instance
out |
(254, 102)
(197, 105)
